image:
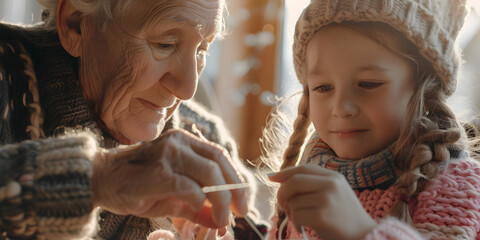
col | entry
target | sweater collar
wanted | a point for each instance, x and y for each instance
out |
(375, 171)
(58, 85)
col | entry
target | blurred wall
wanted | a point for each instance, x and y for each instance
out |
(247, 76)
(20, 11)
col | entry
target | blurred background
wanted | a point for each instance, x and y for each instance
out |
(253, 64)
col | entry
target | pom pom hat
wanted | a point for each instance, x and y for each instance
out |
(431, 25)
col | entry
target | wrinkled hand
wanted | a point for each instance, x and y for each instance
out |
(322, 200)
(164, 178)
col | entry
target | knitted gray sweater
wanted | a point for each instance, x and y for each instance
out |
(44, 178)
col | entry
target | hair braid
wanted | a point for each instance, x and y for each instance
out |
(296, 141)
(424, 149)
(472, 133)
(300, 131)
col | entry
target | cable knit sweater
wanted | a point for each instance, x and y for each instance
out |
(45, 182)
(448, 209)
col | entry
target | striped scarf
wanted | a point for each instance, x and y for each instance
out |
(373, 172)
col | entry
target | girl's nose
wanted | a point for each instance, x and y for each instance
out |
(345, 105)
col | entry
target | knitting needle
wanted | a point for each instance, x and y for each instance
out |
(224, 187)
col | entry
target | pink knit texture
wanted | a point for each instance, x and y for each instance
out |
(392, 229)
(448, 209)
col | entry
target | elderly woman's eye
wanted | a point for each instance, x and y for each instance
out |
(161, 51)
(165, 46)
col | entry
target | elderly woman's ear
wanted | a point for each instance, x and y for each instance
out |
(68, 20)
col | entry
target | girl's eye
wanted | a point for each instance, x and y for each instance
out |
(369, 85)
(323, 88)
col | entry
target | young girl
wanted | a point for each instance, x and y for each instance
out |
(387, 159)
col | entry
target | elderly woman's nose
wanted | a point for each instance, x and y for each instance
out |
(184, 77)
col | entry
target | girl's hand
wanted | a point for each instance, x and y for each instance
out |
(322, 200)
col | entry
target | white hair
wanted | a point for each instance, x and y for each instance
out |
(105, 11)
(102, 8)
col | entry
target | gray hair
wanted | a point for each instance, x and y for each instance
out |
(101, 7)
(105, 10)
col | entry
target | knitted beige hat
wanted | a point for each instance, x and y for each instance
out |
(432, 25)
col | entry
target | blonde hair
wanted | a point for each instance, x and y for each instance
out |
(431, 128)
(106, 11)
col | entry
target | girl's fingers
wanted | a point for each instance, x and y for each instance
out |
(305, 169)
(304, 217)
(312, 203)
(307, 201)
(302, 184)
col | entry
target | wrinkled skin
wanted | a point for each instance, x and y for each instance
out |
(168, 174)
(133, 74)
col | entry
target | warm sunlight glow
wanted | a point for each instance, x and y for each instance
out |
(475, 4)
(288, 82)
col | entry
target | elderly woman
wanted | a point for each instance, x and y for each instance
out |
(96, 75)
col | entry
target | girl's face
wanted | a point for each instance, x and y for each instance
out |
(359, 91)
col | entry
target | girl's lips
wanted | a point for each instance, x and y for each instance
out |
(349, 133)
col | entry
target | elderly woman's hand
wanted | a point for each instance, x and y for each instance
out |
(164, 178)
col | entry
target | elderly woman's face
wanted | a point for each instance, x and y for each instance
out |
(136, 71)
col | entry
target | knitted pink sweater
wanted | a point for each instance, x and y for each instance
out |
(448, 209)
